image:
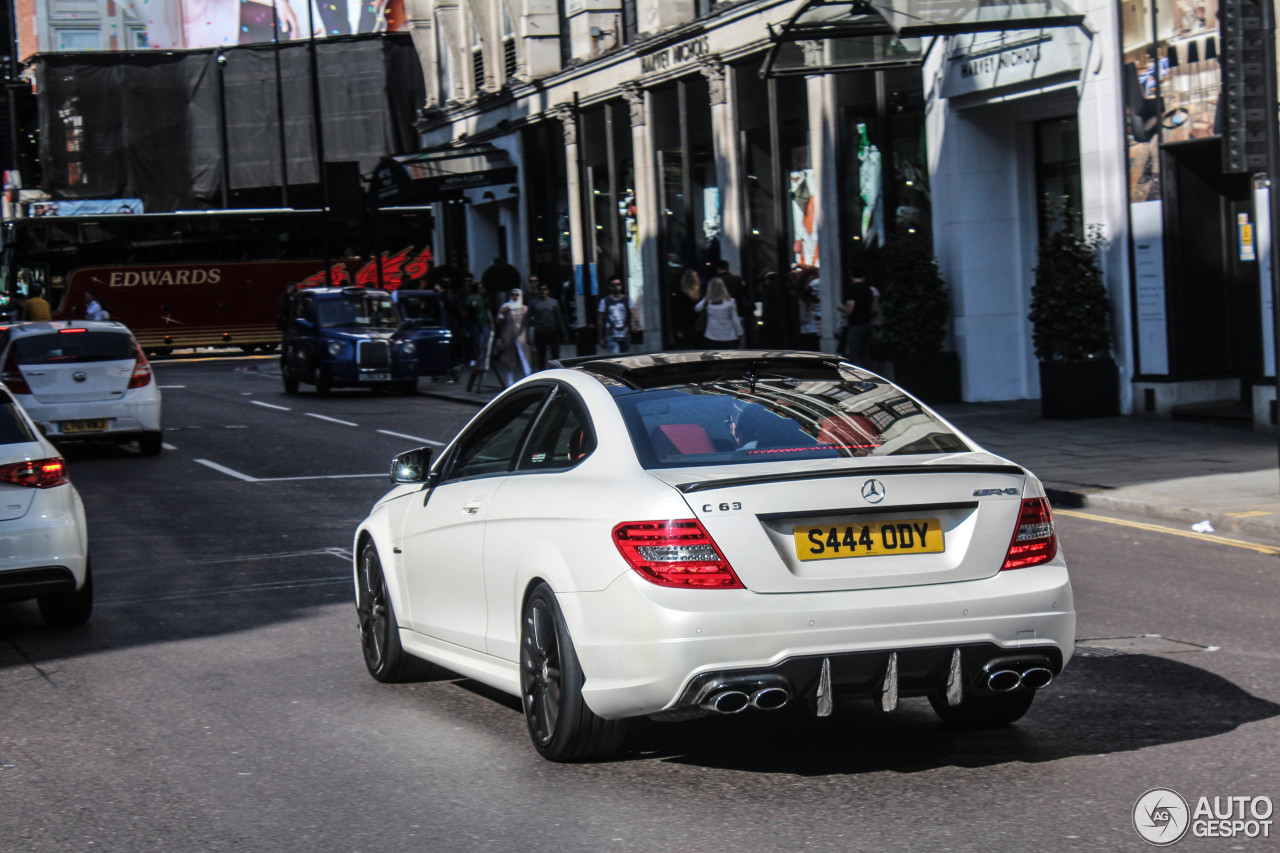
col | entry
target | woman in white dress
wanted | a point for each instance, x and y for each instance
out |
(515, 358)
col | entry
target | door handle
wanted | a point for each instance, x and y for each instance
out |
(471, 507)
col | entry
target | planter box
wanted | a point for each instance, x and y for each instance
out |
(934, 377)
(1070, 390)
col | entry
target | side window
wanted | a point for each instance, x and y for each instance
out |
(490, 447)
(562, 437)
(13, 429)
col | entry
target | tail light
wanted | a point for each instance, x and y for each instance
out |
(12, 376)
(675, 553)
(141, 369)
(37, 473)
(1034, 542)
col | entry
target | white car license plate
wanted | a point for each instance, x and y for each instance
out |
(869, 538)
(375, 377)
(97, 425)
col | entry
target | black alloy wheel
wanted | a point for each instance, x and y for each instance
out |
(561, 725)
(385, 658)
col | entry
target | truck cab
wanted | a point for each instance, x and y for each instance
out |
(345, 337)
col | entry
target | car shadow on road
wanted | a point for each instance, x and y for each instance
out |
(1100, 706)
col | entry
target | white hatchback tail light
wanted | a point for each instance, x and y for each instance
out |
(1034, 541)
(677, 553)
(36, 473)
(141, 369)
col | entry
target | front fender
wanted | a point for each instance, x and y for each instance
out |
(382, 528)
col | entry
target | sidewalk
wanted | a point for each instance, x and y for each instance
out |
(1180, 473)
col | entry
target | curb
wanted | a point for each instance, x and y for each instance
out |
(1266, 528)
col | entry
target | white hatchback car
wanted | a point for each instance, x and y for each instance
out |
(42, 526)
(698, 533)
(83, 381)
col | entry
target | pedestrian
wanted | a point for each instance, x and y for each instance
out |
(614, 318)
(513, 339)
(93, 309)
(808, 295)
(857, 304)
(547, 323)
(286, 305)
(724, 326)
(479, 319)
(36, 307)
(689, 324)
(737, 292)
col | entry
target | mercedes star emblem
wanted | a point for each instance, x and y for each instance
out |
(873, 491)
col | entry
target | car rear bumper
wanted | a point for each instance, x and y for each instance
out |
(675, 642)
(130, 416)
(43, 546)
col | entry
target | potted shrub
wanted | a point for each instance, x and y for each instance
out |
(914, 309)
(1070, 318)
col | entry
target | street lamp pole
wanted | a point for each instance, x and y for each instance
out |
(284, 151)
(1270, 87)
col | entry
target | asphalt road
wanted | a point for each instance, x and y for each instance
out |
(218, 700)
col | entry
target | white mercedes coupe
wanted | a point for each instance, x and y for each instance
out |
(679, 534)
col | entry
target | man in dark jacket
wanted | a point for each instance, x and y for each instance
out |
(547, 321)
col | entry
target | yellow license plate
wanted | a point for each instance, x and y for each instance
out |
(84, 426)
(868, 538)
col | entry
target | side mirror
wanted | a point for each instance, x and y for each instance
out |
(302, 323)
(412, 466)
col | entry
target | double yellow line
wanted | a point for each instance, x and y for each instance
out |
(1155, 528)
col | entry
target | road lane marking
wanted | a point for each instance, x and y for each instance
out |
(329, 419)
(271, 406)
(319, 477)
(341, 553)
(1155, 528)
(170, 387)
(230, 590)
(229, 472)
(411, 437)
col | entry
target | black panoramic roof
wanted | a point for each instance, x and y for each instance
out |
(664, 369)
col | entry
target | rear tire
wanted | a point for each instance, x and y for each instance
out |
(290, 380)
(978, 711)
(151, 443)
(561, 725)
(68, 609)
(384, 657)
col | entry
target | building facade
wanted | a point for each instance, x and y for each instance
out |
(647, 142)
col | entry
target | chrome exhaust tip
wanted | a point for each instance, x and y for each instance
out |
(1004, 680)
(727, 702)
(1037, 677)
(770, 698)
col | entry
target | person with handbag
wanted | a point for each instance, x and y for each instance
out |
(724, 326)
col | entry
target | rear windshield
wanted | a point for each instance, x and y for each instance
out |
(74, 345)
(766, 418)
(13, 429)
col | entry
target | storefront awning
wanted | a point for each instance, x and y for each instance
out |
(440, 175)
(845, 35)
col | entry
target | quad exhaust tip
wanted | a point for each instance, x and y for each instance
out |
(1032, 678)
(736, 701)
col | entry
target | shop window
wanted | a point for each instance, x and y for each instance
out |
(1057, 164)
